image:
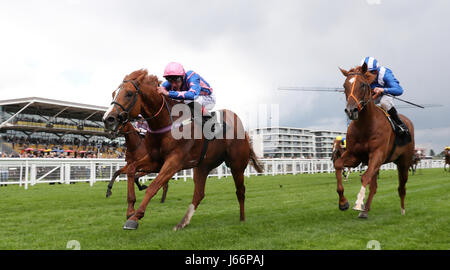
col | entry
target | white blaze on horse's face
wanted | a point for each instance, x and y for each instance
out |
(111, 108)
(351, 80)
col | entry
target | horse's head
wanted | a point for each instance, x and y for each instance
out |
(128, 99)
(357, 89)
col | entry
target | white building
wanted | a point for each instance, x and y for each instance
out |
(290, 142)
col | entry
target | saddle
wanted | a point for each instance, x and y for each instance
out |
(218, 126)
(400, 138)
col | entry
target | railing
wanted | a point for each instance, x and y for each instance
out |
(31, 171)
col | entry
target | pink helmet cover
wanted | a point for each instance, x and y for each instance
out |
(174, 69)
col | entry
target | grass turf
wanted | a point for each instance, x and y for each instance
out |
(302, 214)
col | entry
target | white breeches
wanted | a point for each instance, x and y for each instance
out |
(208, 102)
(385, 101)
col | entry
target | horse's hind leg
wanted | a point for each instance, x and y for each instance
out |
(116, 173)
(200, 175)
(136, 181)
(402, 179)
(238, 176)
(165, 188)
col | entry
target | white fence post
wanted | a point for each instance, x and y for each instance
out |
(61, 173)
(67, 173)
(33, 174)
(26, 174)
(92, 171)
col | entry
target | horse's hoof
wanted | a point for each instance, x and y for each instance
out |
(179, 226)
(344, 207)
(131, 225)
(108, 193)
(403, 212)
(363, 214)
(359, 207)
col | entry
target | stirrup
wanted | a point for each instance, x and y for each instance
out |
(216, 125)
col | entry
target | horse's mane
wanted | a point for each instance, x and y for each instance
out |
(151, 80)
(148, 79)
(358, 69)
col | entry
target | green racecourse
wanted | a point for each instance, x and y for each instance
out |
(302, 214)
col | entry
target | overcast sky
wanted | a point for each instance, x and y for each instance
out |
(80, 50)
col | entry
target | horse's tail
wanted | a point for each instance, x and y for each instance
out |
(255, 162)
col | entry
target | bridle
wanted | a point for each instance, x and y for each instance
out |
(361, 103)
(123, 116)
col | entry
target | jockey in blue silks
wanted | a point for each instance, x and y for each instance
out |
(189, 87)
(385, 83)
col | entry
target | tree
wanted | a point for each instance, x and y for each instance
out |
(432, 153)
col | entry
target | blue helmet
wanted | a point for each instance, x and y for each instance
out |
(372, 63)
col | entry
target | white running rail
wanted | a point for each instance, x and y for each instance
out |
(30, 171)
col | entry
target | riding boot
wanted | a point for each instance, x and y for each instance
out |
(402, 128)
(193, 114)
(206, 117)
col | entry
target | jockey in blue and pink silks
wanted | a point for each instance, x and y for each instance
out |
(189, 87)
(385, 83)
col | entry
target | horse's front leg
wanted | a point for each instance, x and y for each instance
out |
(172, 165)
(375, 162)
(346, 160)
(131, 195)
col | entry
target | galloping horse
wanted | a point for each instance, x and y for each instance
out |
(415, 161)
(447, 159)
(138, 95)
(138, 160)
(371, 140)
(337, 152)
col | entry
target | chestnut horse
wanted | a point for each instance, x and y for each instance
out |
(138, 160)
(370, 140)
(138, 95)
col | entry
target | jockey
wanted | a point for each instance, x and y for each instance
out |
(141, 125)
(188, 86)
(342, 141)
(385, 83)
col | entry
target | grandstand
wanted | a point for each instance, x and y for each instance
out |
(40, 127)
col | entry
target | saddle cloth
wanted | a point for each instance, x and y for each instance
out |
(400, 139)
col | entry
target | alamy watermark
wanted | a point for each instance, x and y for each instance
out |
(256, 116)
(373, 245)
(73, 245)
